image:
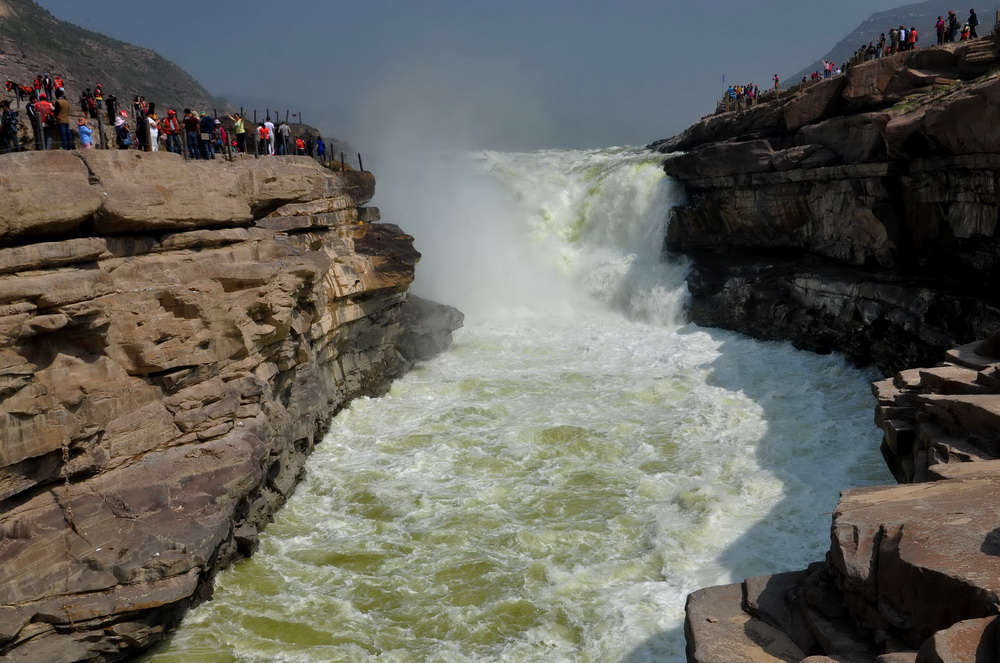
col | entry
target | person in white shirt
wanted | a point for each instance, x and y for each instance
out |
(270, 134)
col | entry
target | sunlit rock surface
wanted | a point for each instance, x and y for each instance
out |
(857, 214)
(173, 339)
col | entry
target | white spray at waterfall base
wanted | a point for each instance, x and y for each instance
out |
(553, 487)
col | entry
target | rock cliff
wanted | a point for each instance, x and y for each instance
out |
(173, 339)
(859, 214)
(856, 214)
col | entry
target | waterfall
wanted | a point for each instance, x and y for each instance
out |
(553, 487)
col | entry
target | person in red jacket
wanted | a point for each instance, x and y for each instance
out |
(172, 130)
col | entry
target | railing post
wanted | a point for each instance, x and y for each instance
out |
(361, 165)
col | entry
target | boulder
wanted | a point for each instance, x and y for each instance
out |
(899, 549)
(970, 641)
(718, 631)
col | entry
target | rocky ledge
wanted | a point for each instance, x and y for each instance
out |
(856, 214)
(174, 338)
(859, 214)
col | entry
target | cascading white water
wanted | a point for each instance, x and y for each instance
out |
(553, 487)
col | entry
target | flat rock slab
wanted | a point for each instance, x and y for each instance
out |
(718, 631)
(901, 550)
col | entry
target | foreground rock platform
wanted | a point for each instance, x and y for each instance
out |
(174, 338)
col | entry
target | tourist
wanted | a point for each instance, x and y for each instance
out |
(172, 131)
(47, 84)
(973, 22)
(59, 84)
(262, 139)
(191, 127)
(8, 128)
(270, 134)
(112, 103)
(284, 133)
(939, 26)
(122, 136)
(47, 118)
(34, 119)
(300, 146)
(239, 126)
(912, 39)
(154, 129)
(61, 110)
(206, 126)
(321, 147)
(86, 134)
(953, 27)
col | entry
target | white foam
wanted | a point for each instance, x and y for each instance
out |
(553, 487)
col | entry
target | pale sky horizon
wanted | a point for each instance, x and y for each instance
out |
(516, 75)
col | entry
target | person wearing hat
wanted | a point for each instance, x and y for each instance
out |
(122, 136)
(172, 130)
(85, 132)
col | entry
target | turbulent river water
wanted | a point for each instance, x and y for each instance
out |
(552, 487)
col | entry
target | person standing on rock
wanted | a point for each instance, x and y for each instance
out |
(61, 110)
(952, 26)
(31, 112)
(284, 133)
(8, 128)
(973, 22)
(86, 134)
(270, 135)
(112, 104)
(205, 127)
(122, 136)
(191, 127)
(171, 129)
(240, 129)
(940, 30)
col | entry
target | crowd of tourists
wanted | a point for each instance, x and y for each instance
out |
(198, 135)
(899, 40)
(896, 40)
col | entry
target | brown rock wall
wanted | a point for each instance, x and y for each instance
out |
(161, 386)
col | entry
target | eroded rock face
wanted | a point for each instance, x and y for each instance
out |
(163, 376)
(886, 178)
(859, 215)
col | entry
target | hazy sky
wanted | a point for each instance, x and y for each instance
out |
(515, 74)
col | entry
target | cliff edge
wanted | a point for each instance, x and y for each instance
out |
(173, 339)
(859, 214)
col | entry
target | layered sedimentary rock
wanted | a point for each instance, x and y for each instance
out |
(173, 338)
(856, 214)
(859, 214)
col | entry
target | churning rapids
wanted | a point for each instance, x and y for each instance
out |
(553, 487)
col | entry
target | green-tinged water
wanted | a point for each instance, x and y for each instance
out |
(553, 487)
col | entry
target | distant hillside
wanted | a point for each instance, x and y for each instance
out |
(33, 41)
(922, 16)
